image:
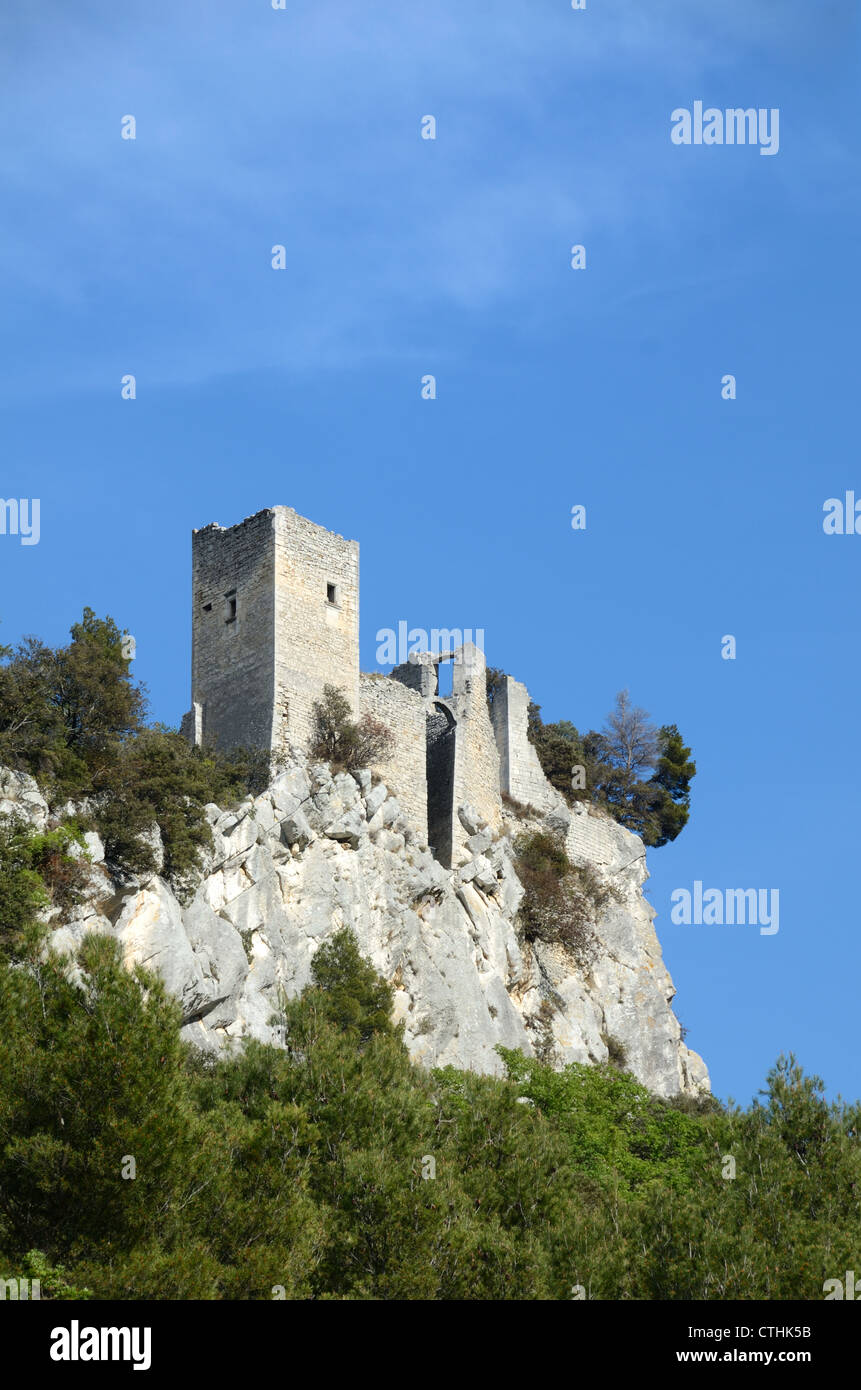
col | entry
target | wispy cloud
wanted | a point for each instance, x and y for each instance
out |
(302, 127)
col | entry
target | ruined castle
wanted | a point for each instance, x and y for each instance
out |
(275, 618)
(420, 862)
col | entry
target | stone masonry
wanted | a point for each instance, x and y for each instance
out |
(275, 617)
(404, 715)
(521, 774)
(462, 760)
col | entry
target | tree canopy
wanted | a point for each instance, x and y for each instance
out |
(639, 773)
(335, 1168)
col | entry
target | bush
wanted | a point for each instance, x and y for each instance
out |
(161, 780)
(561, 901)
(342, 742)
(346, 991)
(521, 809)
(37, 872)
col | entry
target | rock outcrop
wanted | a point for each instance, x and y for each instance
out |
(317, 852)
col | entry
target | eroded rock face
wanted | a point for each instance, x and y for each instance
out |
(20, 796)
(315, 853)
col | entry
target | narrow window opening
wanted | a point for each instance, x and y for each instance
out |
(230, 607)
(331, 593)
(445, 678)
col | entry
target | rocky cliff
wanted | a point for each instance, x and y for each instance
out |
(316, 852)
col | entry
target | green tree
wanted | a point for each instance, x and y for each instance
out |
(671, 781)
(74, 719)
(92, 1076)
(347, 991)
(65, 712)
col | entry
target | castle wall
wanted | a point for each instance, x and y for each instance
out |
(316, 634)
(417, 675)
(591, 839)
(405, 773)
(476, 774)
(521, 774)
(276, 619)
(233, 628)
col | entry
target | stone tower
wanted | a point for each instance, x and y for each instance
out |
(275, 617)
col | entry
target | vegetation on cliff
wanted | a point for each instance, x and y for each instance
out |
(133, 1167)
(75, 720)
(639, 773)
(344, 742)
(561, 901)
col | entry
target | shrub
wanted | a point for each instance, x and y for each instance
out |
(523, 810)
(617, 1053)
(561, 901)
(344, 743)
(37, 871)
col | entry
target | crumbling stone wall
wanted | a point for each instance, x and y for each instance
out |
(420, 675)
(521, 774)
(476, 774)
(462, 758)
(405, 772)
(590, 837)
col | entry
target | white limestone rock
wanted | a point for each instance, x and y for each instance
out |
(470, 819)
(95, 847)
(20, 796)
(151, 933)
(315, 853)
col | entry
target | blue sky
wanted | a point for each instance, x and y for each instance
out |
(555, 387)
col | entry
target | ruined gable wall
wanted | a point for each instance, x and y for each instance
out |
(589, 838)
(476, 777)
(520, 770)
